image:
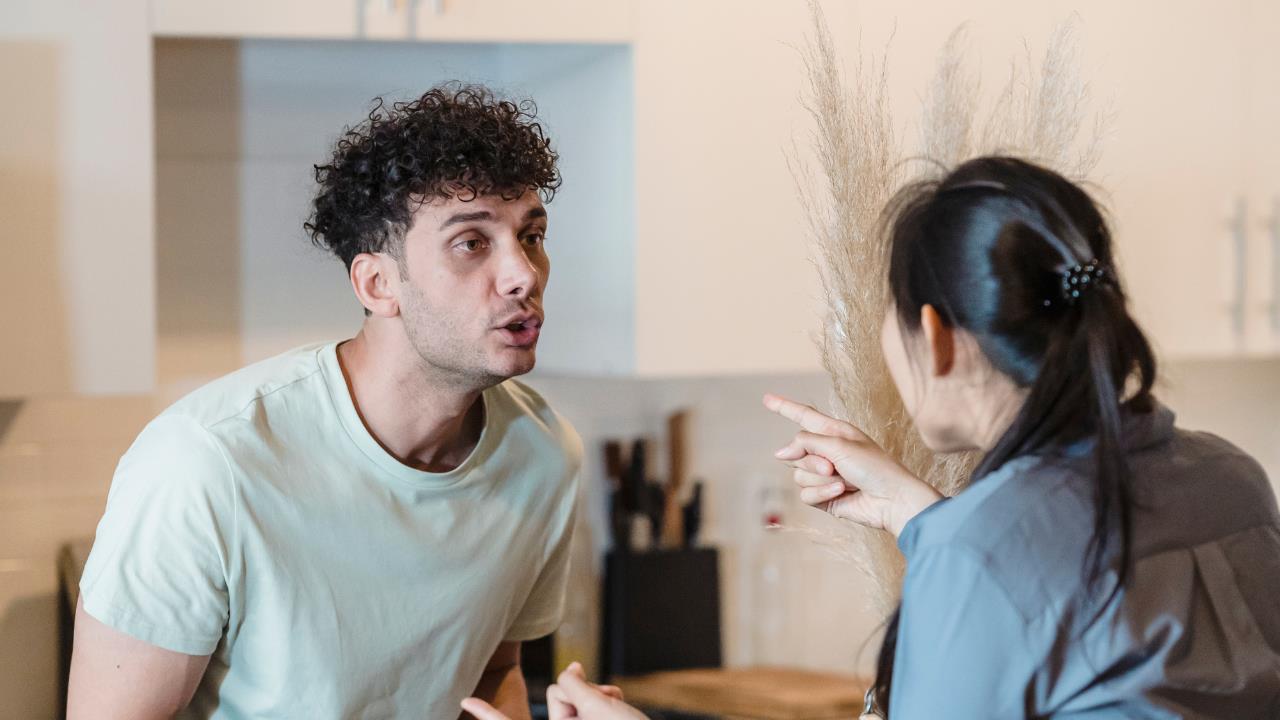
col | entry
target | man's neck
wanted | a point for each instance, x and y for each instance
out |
(422, 421)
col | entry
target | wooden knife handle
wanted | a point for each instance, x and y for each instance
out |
(677, 474)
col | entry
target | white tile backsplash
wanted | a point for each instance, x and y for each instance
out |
(826, 617)
(831, 623)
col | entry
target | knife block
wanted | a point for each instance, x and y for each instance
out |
(661, 611)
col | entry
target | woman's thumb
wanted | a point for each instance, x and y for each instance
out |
(482, 710)
(574, 683)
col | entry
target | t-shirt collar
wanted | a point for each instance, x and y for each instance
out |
(340, 393)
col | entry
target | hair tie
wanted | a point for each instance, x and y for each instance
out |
(1078, 279)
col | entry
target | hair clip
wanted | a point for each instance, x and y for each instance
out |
(1079, 278)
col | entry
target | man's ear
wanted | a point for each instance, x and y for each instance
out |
(375, 278)
(940, 340)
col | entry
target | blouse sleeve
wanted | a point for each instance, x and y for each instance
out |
(963, 647)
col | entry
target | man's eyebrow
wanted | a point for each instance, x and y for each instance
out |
(535, 213)
(466, 217)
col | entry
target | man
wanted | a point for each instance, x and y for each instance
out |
(367, 528)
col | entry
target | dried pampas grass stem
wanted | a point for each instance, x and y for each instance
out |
(853, 166)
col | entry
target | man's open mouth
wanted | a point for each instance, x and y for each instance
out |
(522, 331)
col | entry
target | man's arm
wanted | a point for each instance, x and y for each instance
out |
(114, 675)
(502, 684)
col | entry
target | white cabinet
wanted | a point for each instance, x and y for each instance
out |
(239, 280)
(275, 18)
(701, 265)
(723, 282)
(1192, 115)
(453, 20)
(707, 271)
(1175, 164)
(1193, 166)
(523, 20)
(677, 242)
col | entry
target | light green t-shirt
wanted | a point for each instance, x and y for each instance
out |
(257, 520)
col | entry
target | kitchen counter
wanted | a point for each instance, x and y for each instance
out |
(755, 693)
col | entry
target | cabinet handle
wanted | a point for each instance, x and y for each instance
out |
(1239, 247)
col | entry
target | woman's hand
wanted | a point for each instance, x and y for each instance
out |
(842, 471)
(571, 697)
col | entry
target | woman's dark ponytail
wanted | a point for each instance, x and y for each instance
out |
(1117, 350)
(1021, 258)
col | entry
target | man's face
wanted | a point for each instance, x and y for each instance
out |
(473, 277)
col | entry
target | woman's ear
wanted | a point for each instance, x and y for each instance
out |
(375, 278)
(940, 340)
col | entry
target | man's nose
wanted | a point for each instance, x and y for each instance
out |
(519, 277)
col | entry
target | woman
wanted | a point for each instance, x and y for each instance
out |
(1102, 563)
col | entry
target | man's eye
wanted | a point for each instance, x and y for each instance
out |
(534, 239)
(472, 245)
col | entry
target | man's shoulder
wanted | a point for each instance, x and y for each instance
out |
(192, 441)
(528, 404)
(236, 393)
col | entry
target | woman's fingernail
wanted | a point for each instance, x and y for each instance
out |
(783, 451)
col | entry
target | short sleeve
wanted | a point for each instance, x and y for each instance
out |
(963, 648)
(157, 570)
(543, 610)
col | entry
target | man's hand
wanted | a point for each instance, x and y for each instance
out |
(572, 697)
(842, 471)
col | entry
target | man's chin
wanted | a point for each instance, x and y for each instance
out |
(514, 365)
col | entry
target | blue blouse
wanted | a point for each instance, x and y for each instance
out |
(998, 622)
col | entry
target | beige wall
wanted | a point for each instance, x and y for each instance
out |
(77, 288)
(35, 305)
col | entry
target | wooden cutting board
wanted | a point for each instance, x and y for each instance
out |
(757, 693)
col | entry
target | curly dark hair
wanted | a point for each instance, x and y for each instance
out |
(455, 141)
